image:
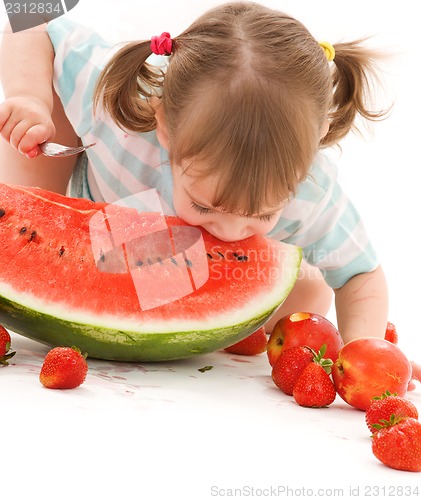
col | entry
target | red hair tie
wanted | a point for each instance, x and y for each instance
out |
(162, 45)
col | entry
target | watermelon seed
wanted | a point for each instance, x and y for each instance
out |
(149, 261)
(22, 230)
(160, 261)
(173, 261)
(2, 212)
(61, 251)
(221, 255)
(33, 235)
(209, 256)
(240, 258)
(188, 262)
(101, 256)
(139, 263)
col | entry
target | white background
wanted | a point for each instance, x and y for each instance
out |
(232, 428)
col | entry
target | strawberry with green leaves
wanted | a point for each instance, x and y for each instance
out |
(314, 388)
(386, 406)
(63, 368)
(5, 344)
(398, 444)
(289, 366)
(291, 362)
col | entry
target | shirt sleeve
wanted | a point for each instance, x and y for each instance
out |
(80, 54)
(325, 224)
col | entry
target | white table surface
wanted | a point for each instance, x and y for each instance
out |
(163, 431)
(166, 430)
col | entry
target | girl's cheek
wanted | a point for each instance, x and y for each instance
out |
(185, 213)
(187, 218)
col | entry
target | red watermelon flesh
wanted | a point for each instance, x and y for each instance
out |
(129, 285)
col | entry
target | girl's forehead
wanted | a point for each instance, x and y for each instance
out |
(203, 188)
(196, 180)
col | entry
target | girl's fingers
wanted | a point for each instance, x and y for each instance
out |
(33, 153)
(7, 128)
(416, 371)
(24, 131)
(17, 132)
(411, 386)
(34, 136)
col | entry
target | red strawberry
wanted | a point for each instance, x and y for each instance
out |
(289, 366)
(398, 444)
(381, 410)
(5, 344)
(391, 335)
(255, 343)
(291, 362)
(314, 387)
(63, 368)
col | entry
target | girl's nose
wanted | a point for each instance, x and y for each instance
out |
(229, 231)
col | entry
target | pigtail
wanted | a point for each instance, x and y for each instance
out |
(354, 74)
(126, 85)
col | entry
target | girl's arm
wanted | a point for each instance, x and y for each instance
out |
(362, 306)
(26, 75)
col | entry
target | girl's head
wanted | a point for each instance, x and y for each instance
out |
(246, 101)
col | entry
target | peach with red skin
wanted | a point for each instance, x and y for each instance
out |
(300, 329)
(367, 368)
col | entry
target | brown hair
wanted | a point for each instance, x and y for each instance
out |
(246, 91)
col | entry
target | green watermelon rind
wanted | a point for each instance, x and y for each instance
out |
(118, 345)
(129, 337)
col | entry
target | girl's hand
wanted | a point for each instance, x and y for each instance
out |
(416, 375)
(25, 122)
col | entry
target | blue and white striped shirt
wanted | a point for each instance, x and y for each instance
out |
(320, 218)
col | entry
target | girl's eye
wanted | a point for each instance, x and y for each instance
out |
(266, 217)
(200, 209)
(204, 211)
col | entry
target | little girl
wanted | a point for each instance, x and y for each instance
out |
(228, 131)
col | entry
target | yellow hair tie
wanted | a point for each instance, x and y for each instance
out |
(329, 50)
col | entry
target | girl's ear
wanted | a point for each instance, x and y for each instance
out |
(161, 124)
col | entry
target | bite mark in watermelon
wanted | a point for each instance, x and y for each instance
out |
(130, 286)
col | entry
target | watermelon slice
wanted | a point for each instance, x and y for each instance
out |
(122, 284)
